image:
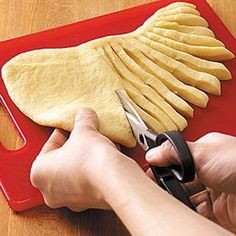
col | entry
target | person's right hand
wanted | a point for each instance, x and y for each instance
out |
(215, 162)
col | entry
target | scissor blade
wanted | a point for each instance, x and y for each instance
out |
(138, 131)
(137, 124)
(129, 108)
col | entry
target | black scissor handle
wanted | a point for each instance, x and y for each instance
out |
(184, 172)
(169, 178)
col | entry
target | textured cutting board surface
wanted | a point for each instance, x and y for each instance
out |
(15, 165)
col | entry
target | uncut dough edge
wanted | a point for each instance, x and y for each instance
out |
(112, 120)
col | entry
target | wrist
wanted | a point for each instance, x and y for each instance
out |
(107, 162)
(111, 172)
(117, 180)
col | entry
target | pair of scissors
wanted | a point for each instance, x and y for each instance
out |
(171, 177)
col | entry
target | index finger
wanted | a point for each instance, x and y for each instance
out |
(163, 155)
(55, 141)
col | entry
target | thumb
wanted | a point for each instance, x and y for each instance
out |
(86, 119)
(163, 155)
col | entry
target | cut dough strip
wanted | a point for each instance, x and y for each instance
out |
(149, 107)
(214, 68)
(159, 121)
(184, 19)
(144, 89)
(188, 93)
(195, 30)
(179, 104)
(189, 39)
(163, 122)
(209, 53)
(148, 119)
(179, 10)
(176, 5)
(201, 80)
(152, 20)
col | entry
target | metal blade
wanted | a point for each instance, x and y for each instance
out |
(137, 124)
(129, 108)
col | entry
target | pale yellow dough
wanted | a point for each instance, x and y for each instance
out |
(51, 93)
(170, 61)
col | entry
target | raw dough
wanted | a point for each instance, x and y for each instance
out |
(169, 62)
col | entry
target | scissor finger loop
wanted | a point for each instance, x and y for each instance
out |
(185, 172)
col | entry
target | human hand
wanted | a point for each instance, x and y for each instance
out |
(215, 162)
(87, 171)
(68, 169)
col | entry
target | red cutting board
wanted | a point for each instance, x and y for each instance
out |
(220, 114)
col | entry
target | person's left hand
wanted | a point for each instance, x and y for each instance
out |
(68, 170)
(214, 158)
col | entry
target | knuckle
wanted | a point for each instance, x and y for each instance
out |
(86, 114)
(167, 147)
(52, 197)
(169, 152)
(86, 122)
(51, 202)
(211, 135)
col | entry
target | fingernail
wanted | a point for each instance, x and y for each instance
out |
(85, 110)
(151, 154)
(203, 208)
